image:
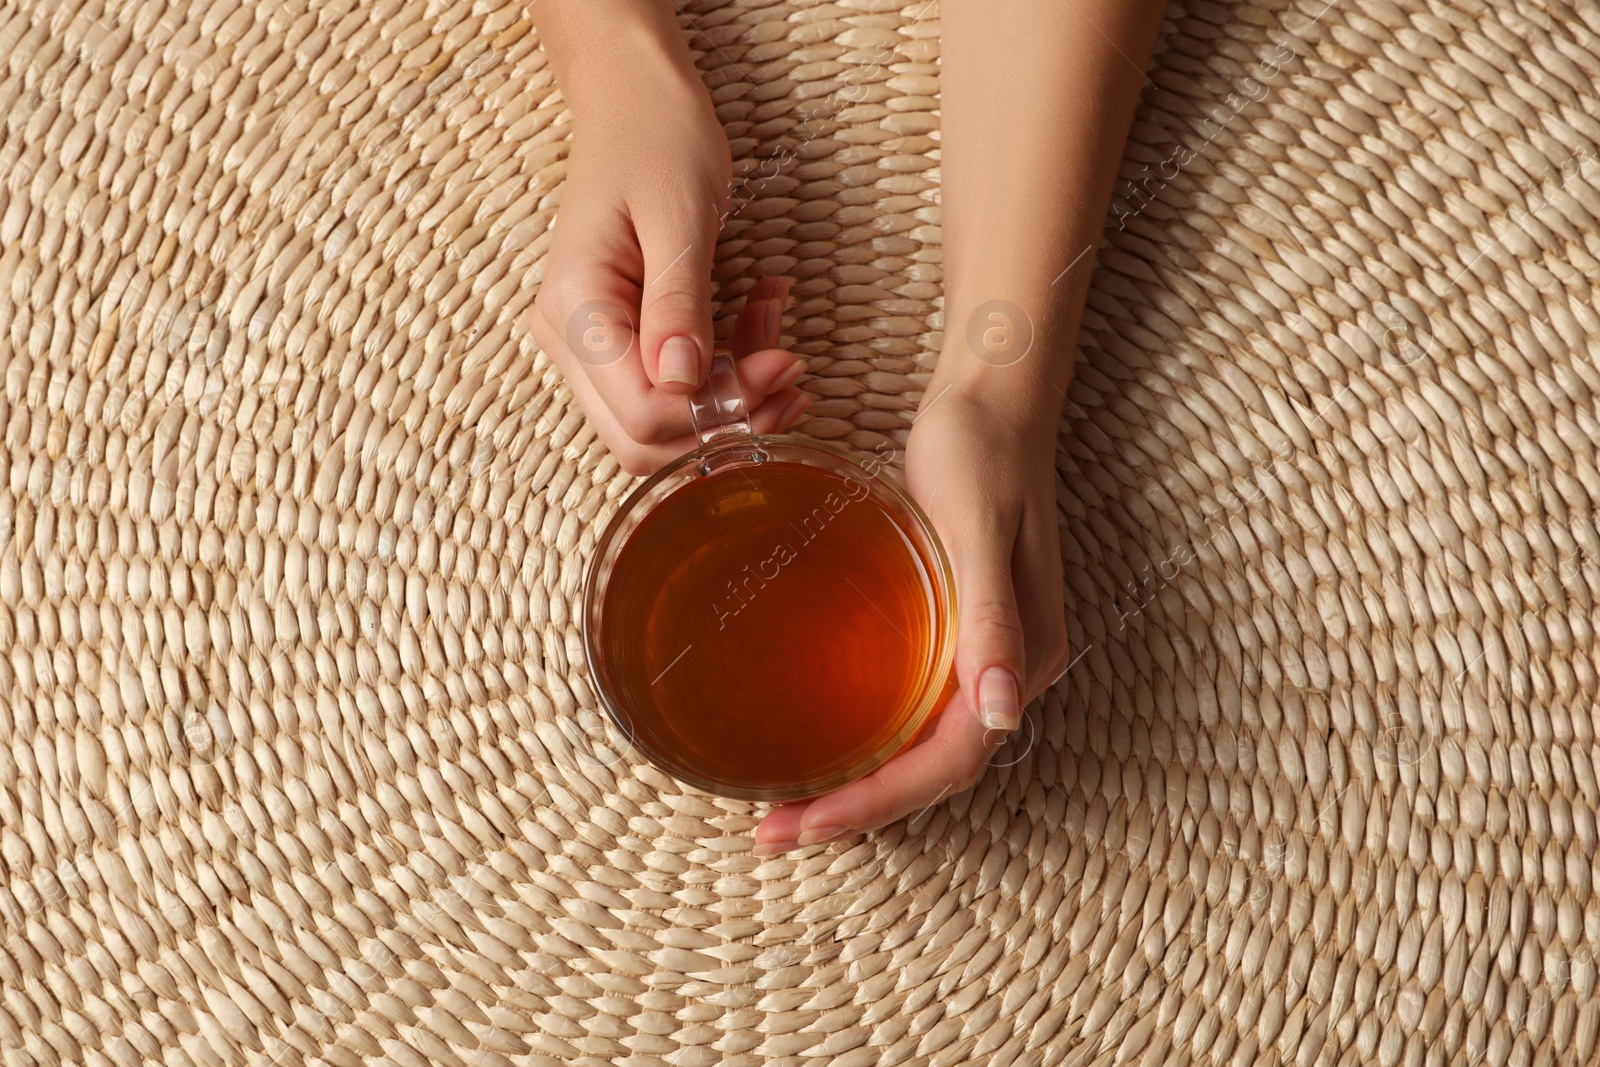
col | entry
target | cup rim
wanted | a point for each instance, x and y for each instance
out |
(934, 689)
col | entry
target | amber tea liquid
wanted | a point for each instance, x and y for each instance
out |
(768, 624)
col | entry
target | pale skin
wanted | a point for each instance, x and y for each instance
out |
(1037, 97)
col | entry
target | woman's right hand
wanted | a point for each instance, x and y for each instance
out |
(625, 306)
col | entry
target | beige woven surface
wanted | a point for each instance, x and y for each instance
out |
(299, 763)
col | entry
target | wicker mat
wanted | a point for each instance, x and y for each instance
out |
(300, 760)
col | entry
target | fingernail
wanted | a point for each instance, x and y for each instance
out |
(795, 409)
(680, 360)
(774, 321)
(818, 834)
(998, 700)
(774, 848)
(790, 376)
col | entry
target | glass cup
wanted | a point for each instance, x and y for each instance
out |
(618, 613)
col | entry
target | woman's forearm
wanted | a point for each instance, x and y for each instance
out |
(1038, 96)
(605, 51)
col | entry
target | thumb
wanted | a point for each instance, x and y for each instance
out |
(675, 308)
(990, 650)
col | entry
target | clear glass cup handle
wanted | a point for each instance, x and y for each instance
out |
(717, 407)
(720, 415)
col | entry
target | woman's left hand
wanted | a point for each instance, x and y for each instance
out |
(986, 476)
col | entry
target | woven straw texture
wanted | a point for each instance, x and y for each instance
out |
(299, 761)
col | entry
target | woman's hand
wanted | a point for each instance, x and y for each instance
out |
(985, 474)
(625, 306)
(981, 459)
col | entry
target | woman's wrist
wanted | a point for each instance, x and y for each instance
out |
(1009, 349)
(1019, 406)
(606, 52)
